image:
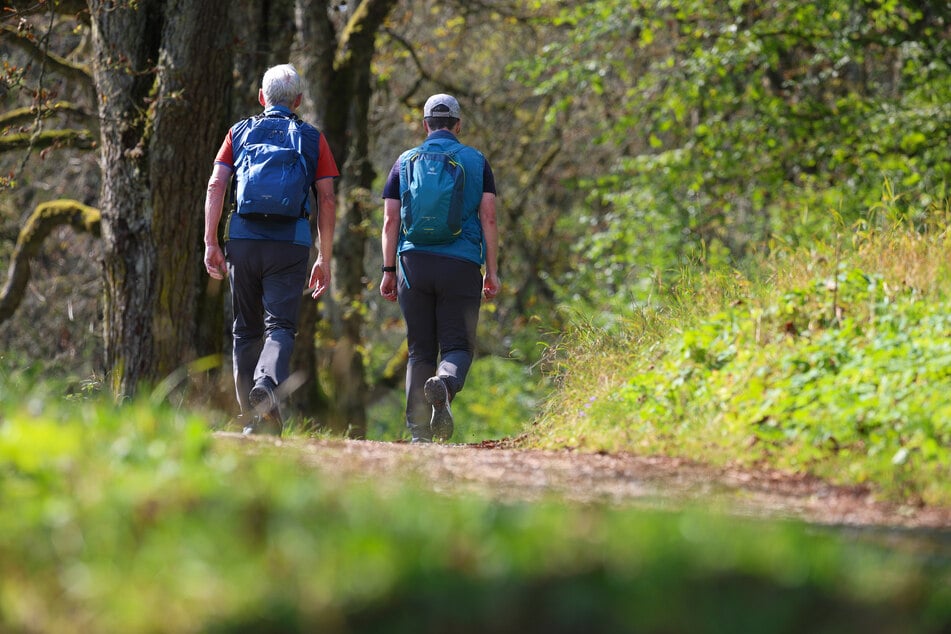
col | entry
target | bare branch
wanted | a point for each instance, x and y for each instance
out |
(79, 139)
(41, 222)
(78, 73)
(534, 176)
(22, 116)
(424, 74)
(62, 7)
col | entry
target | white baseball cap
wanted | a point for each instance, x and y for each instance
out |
(441, 106)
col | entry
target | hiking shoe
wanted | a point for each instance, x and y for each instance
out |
(420, 434)
(438, 396)
(260, 425)
(266, 417)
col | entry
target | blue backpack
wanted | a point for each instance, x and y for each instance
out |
(431, 196)
(272, 176)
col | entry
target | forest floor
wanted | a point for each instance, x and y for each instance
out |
(499, 470)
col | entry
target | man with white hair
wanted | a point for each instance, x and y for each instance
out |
(276, 159)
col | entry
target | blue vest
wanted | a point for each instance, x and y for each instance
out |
(470, 245)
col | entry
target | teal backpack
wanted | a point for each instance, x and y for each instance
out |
(431, 196)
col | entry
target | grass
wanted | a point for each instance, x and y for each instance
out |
(833, 360)
(135, 519)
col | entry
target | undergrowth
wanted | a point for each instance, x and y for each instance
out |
(834, 361)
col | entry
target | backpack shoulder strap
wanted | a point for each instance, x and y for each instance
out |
(406, 167)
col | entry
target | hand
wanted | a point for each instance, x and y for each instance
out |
(215, 262)
(388, 287)
(319, 278)
(491, 285)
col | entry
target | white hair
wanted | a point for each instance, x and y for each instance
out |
(281, 85)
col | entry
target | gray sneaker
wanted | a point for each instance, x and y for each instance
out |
(420, 434)
(438, 396)
(266, 415)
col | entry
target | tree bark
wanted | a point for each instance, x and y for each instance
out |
(126, 44)
(192, 104)
(348, 367)
(162, 70)
(313, 57)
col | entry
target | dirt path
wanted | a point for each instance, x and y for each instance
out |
(508, 474)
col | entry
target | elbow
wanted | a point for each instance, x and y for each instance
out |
(328, 204)
(217, 184)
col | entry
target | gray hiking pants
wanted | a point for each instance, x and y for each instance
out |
(267, 283)
(440, 299)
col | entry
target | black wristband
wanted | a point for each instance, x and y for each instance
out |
(388, 269)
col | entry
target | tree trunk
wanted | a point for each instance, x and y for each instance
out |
(125, 42)
(193, 93)
(357, 202)
(162, 71)
(263, 33)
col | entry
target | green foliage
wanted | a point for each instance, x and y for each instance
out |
(845, 374)
(137, 519)
(732, 123)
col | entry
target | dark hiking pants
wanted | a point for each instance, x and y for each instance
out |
(440, 299)
(267, 282)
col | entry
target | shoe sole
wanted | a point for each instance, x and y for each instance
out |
(437, 396)
(264, 406)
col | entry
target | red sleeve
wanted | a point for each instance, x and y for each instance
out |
(225, 152)
(326, 165)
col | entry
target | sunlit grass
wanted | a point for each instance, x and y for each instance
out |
(832, 360)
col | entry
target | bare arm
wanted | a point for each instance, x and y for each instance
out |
(490, 282)
(326, 221)
(389, 243)
(214, 202)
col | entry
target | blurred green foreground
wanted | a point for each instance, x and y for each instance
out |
(136, 519)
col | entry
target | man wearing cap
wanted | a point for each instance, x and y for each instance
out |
(440, 286)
